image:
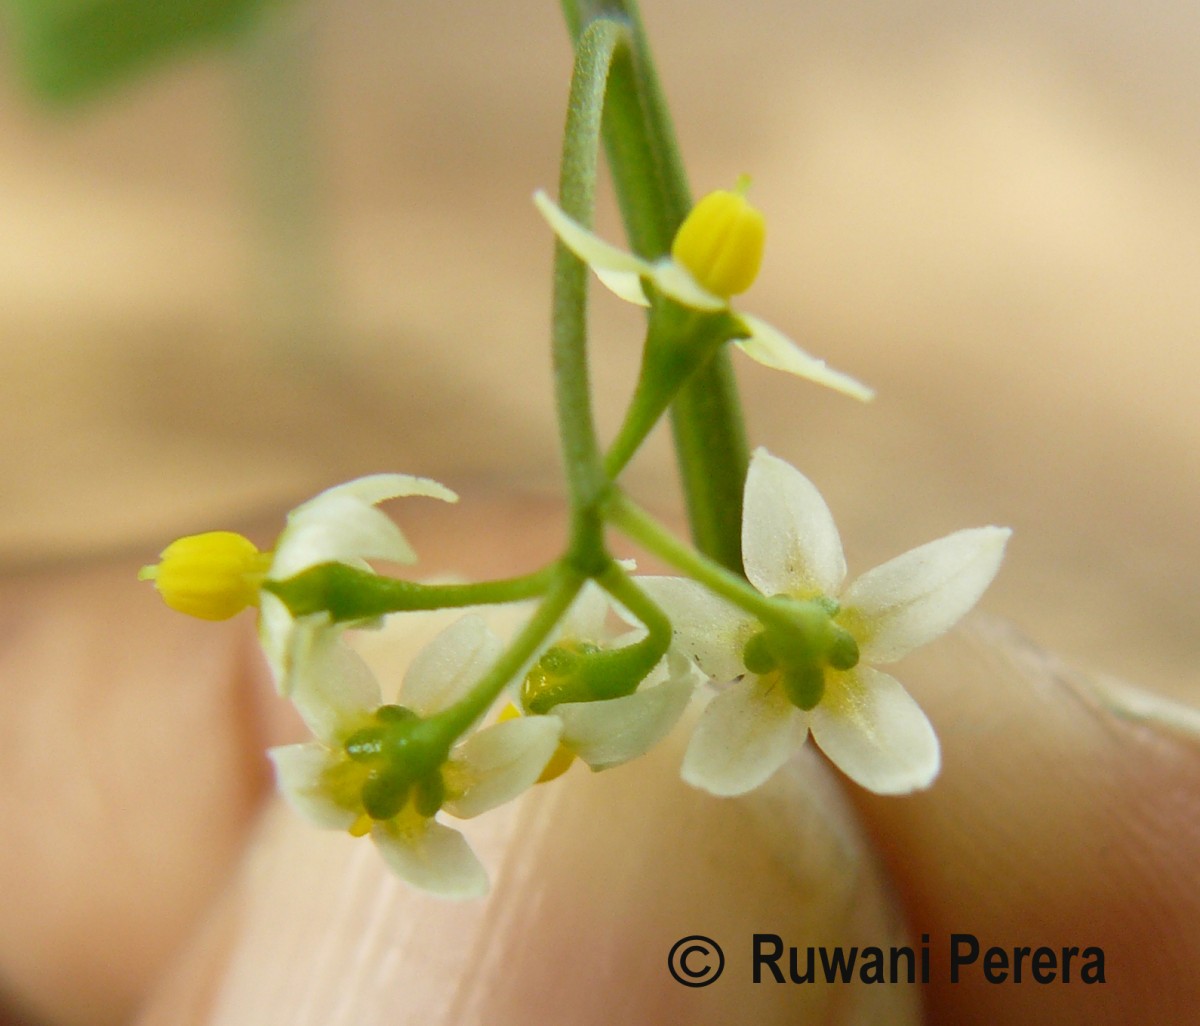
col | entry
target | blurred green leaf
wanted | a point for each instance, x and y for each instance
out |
(71, 50)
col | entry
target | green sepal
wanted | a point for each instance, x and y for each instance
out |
(385, 793)
(804, 685)
(591, 675)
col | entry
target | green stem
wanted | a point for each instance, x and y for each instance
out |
(652, 189)
(679, 343)
(456, 719)
(642, 528)
(349, 593)
(625, 590)
(577, 190)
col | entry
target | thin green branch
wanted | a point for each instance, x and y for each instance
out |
(653, 536)
(652, 189)
(577, 191)
(348, 593)
(459, 717)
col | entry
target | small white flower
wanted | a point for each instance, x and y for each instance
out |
(607, 732)
(715, 255)
(340, 525)
(862, 718)
(358, 774)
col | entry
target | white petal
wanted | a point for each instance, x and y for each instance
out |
(605, 734)
(586, 619)
(913, 598)
(299, 772)
(875, 733)
(338, 529)
(333, 689)
(770, 347)
(449, 666)
(376, 488)
(275, 625)
(707, 629)
(624, 285)
(790, 543)
(676, 281)
(746, 733)
(433, 857)
(501, 761)
(589, 247)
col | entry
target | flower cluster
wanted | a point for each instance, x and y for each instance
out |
(389, 771)
(604, 664)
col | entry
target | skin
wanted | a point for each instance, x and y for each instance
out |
(149, 875)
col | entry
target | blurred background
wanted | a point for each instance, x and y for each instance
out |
(989, 212)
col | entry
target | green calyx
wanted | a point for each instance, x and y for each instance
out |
(402, 756)
(580, 671)
(800, 653)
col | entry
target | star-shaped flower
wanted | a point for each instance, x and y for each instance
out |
(606, 732)
(340, 525)
(218, 574)
(377, 769)
(715, 255)
(786, 686)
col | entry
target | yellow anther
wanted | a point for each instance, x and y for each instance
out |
(559, 763)
(721, 242)
(211, 576)
(361, 826)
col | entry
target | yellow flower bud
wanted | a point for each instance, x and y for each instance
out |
(211, 576)
(721, 242)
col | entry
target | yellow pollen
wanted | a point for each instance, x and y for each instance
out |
(721, 242)
(212, 576)
(559, 763)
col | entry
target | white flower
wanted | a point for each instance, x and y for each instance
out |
(704, 269)
(862, 718)
(607, 732)
(340, 525)
(367, 772)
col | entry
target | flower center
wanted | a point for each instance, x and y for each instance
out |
(721, 241)
(798, 660)
(212, 576)
(399, 762)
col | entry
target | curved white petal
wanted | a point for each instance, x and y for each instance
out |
(875, 733)
(275, 625)
(707, 629)
(676, 281)
(790, 543)
(501, 761)
(745, 735)
(332, 687)
(447, 668)
(605, 734)
(770, 347)
(919, 595)
(586, 618)
(589, 247)
(338, 528)
(626, 285)
(376, 488)
(299, 772)
(433, 857)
